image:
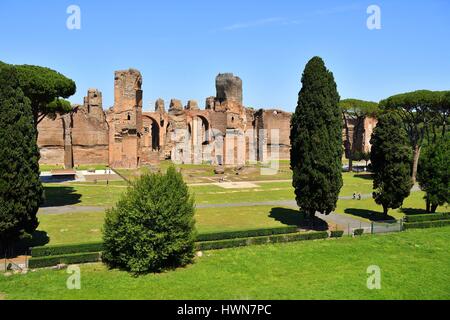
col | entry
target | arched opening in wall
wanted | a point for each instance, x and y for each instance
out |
(203, 130)
(155, 136)
(151, 134)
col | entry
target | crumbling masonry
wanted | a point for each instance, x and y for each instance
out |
(223, 133)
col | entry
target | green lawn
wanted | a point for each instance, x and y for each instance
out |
(367, 209)
(90, 194)
(414, 265)
(86, 226)
(72, 227)
(201, 173)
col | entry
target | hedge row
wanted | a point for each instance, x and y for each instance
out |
(49, 261)
(426, 224)
(428, 217)
(231, 243)
(57, 250)
(336, 233)
(245, 233)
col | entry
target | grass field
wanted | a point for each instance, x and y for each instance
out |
(86, 226)
(414, 265)
(90, 194)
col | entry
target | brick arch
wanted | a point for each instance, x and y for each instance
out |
(153, 129)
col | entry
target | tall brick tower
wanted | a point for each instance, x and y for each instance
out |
(126, 119)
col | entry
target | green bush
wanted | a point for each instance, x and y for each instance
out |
(336, 233)
(231, 243)
(49, 261)
(358, 232)
(426, 224)
(66, 249)
(428, 217)
(245, 233)
(152, 226)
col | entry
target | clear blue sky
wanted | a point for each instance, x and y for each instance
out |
(180, 46)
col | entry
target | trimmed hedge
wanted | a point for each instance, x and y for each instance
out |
(232, 243)
(245, 233)
(49, 261)
(358, 232)
(428, 217)
(57, 250)
(336, 233)
(426, 224)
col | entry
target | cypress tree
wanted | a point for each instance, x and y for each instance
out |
(20, 189)
(391, 162)
(316, 138)
(434, 173)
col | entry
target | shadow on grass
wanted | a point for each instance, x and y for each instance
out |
(412, 211)
(365, 176)
(293, 217)
(60, 196)
(369, 214)
(21, 247)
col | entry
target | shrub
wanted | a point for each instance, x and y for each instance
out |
(336, 233)
(152, 226)
(426, 224)
(66, 249)
(245, 233)
(49, 261)
(428, 217)
(231, 243)
(358, 232)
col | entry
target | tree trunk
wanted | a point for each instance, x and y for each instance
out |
(434, 208)
(348, 144)
(385, 211)
(428, 209)
(416, 155)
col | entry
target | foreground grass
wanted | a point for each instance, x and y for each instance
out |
(414, 265)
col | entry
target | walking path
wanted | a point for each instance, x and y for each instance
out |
(287, 203)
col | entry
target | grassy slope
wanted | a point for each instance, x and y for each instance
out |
(414, 265)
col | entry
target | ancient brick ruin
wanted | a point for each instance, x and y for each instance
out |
(223, 133)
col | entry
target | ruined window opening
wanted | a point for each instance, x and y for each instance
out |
(155, 136)
(129, 117)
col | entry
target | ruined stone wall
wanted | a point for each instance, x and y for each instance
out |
(224, 132)
(360, 133)
(276, 124)
(125, 120)
(77, 138)
(90, 142)
(51, 141)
